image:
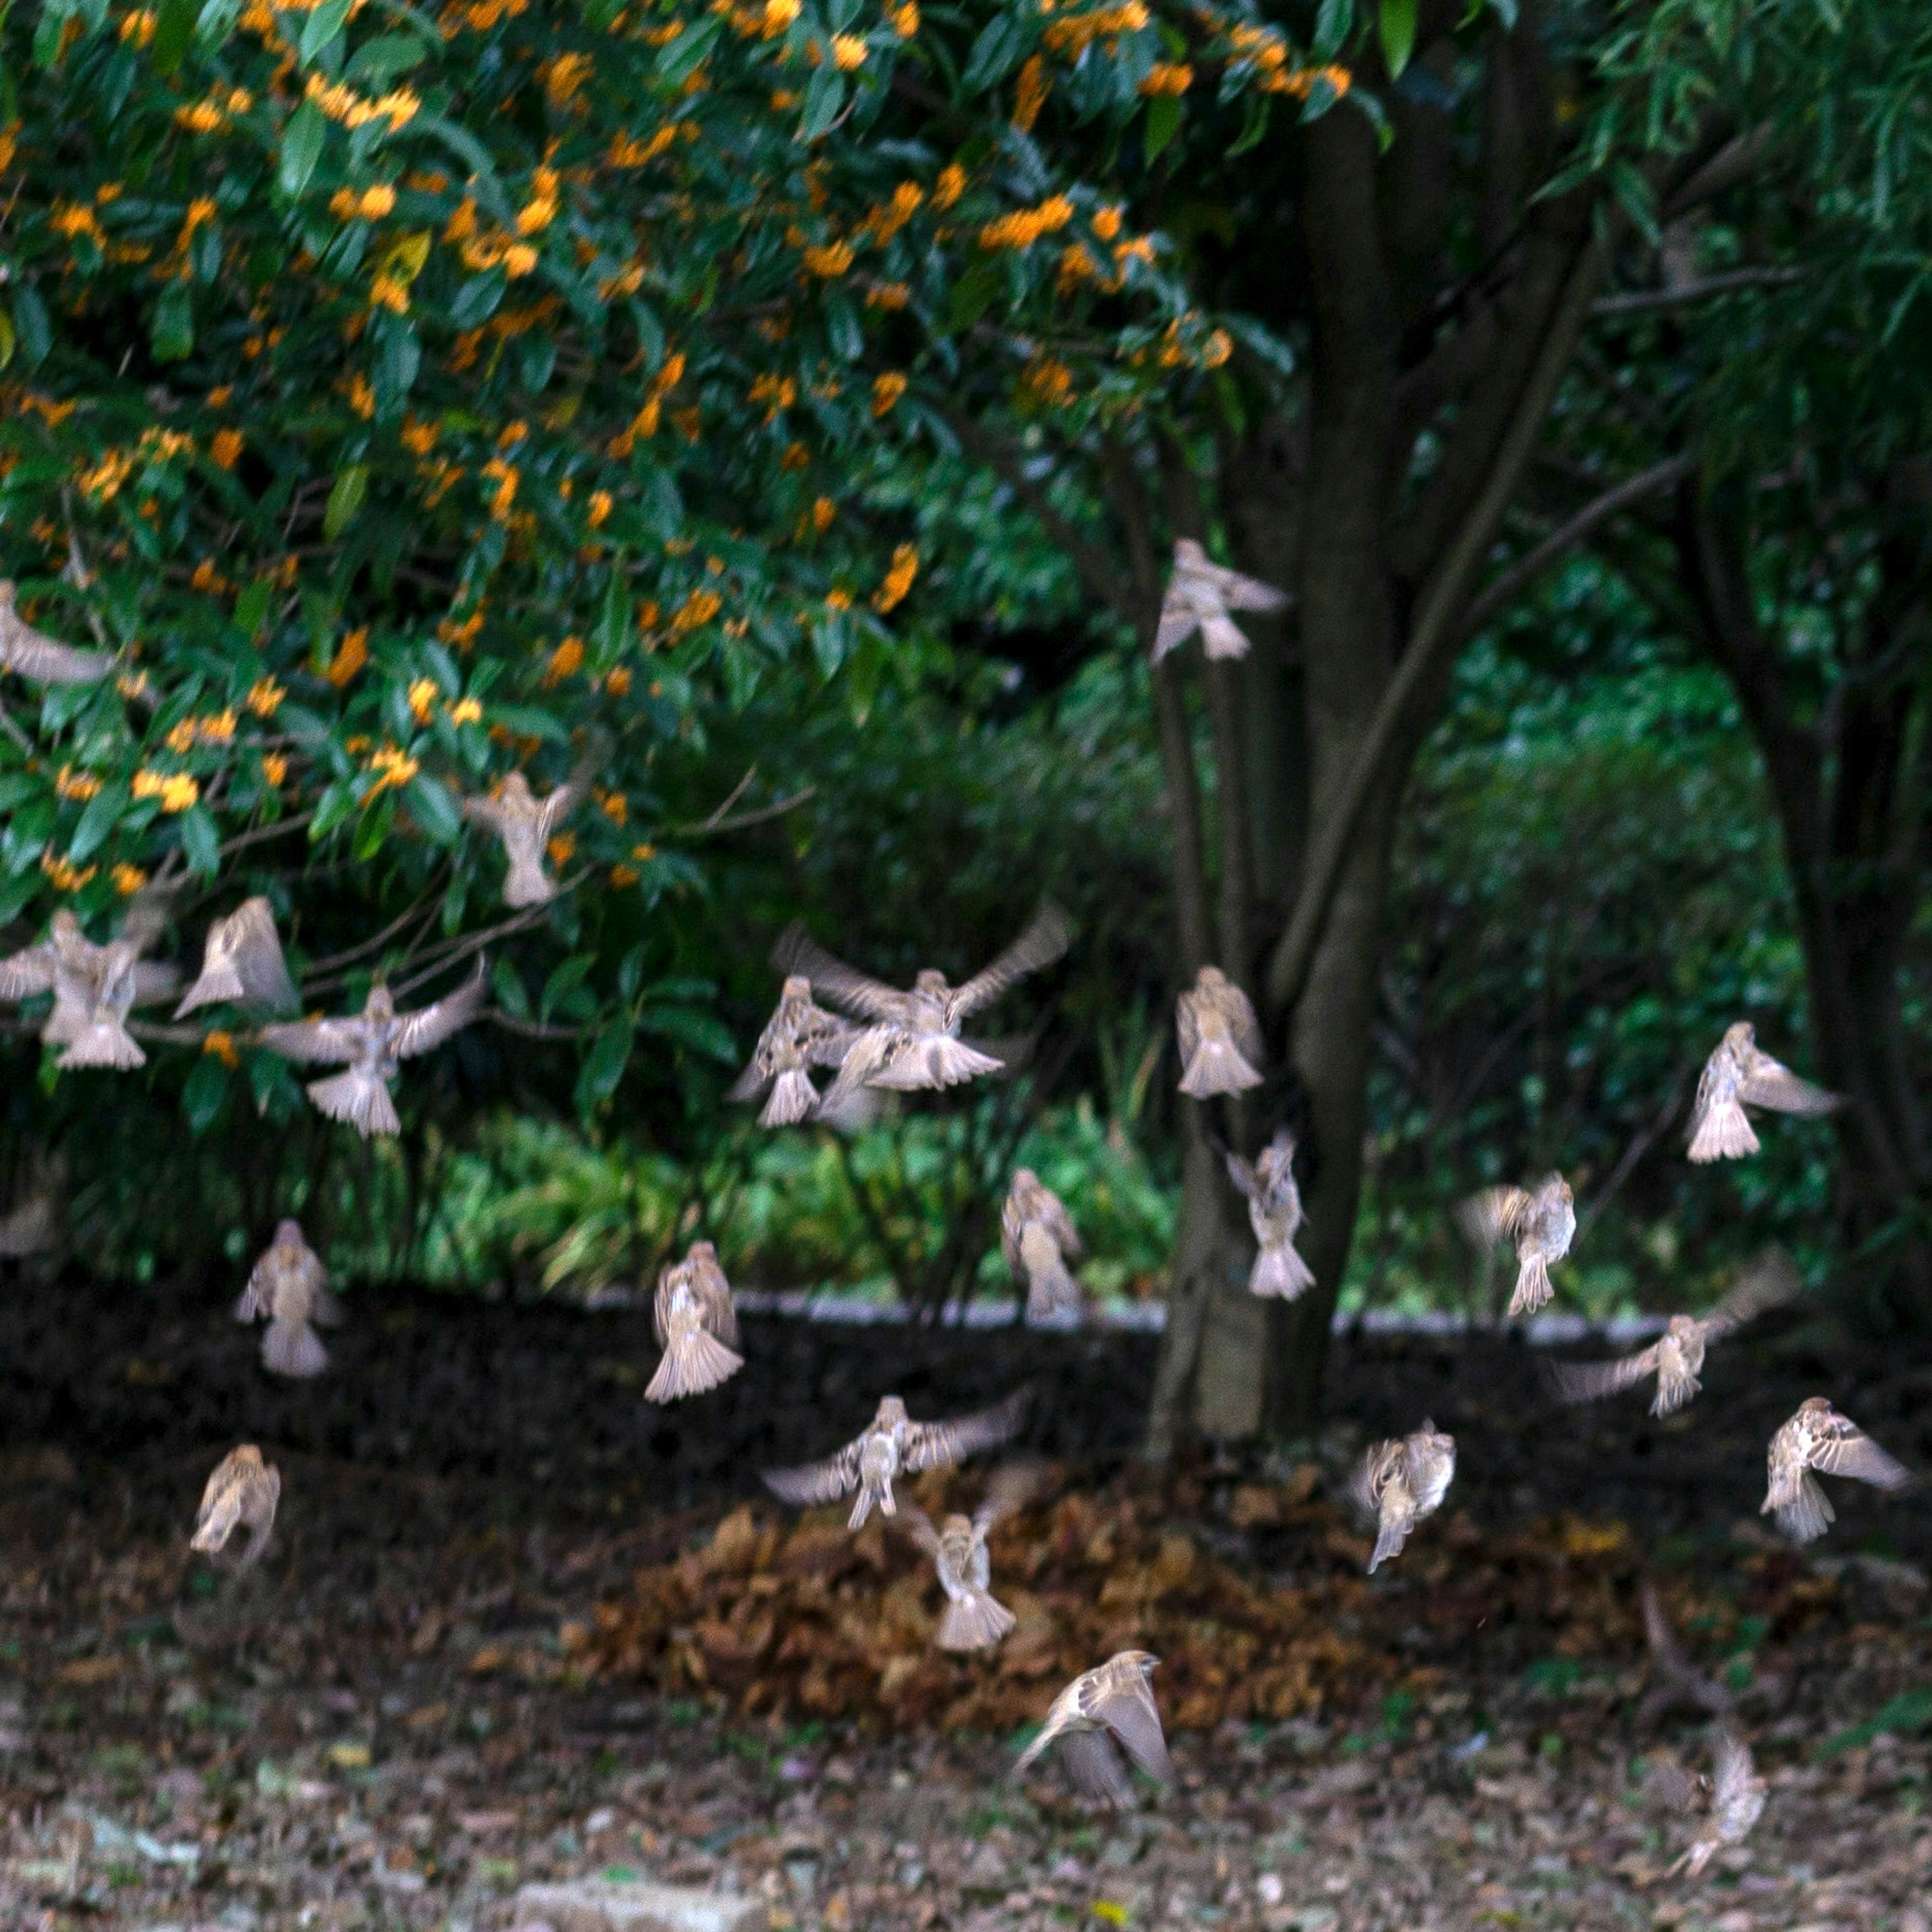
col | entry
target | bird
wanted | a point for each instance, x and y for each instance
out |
(1103, 1712)
(1399, 1482)
(28, 1229)
(1730, 1801)
(241, 964)
(373, 1042)
(242, 1494)
(1676, 1356)
(1540, 1223)
(94, 987)
(1274, 1212)
(1200, 594)
(525, 824)
(913, 1039)
(1817, 1438)
(1674, 1679)
(958, 1548)
(32, 654)
(288, 1288)
(1739, 1073)
(894, 1445)
(1220, 1038)
(695, 1323)
(799, 1035)
(1038, 1238)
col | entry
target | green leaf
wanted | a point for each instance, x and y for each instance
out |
(217, 22)
(102, 813)
(679, 61)
(302, 148)
(562, 983)
(603, 1065)
(174, 322)
(1334, 21)
(379, 61)
(30, 318)
(995, 52)
(1395, 26)
(975, 293)
(1254, 124)
(252, 606)
(1163, 123)
(324, 24)
(701, 1032)
(433, 810)
(345, 499)
(824, 95)
(6, 338)
(476, 301)
(372, 829)
(201, 844)
(174, 33)
(203, 1092)
(508, 985)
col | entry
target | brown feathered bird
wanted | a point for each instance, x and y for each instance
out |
(1539, 1223)
(1100, 1714)
(94, 987)
(375, 1042)
(525, 824)
(1200, 593)
(1038, 1238)
(958, 1547)
(1728, 1803)
(242, 1494)
(894, 1445)
(1220, 1038)
(288, 1289)
(241, 964)
(1818, 1439)
(1674, 1679)
(1399, 1482)
(696, 1327)
(1274, 1212)
(1740, 1074)
(799, 1036)
(1677, 1355)
(41, 659)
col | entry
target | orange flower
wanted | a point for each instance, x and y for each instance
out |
(899, 575)
(833, 259)
(422, 697)
(848, 51)
(1168, 77)
(351, 655)
(1029, 93)
(128, 880)
(565, 661)
(886, 390)
(222, 1045)
(265, 696)
(274, 768)
(225, 451)
(950, 185)
(597, 513)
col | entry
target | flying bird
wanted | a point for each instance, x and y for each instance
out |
(374, 1042)
(1728, 1803)
(799, 1036)
(913, 1037)
(242, 1494)
(1100, 1714)
(1740, 1074)
(696, 1325)
(1674, 1679)
(1220, 1038)
(288, 1288)
(1200, 594)
(1274, 1212)
(31, 1228)
(1399, 1482)
(526, 823)
(958, 1548)
(1677, 1355)
(94, 987)
(1818, 1439)
(32, 654)
(1038, 1238)
(894, 1445)
(241, 964)
(1540, 1224)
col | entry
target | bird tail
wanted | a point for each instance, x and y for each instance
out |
(693, 1362)
(1217, 1067)
(974, 1622)
(104, 1042)
(940, 1061)
(862, 1504)
(293, 1349)
(1532, 1286)
(1672, 1393)
(528, 884)
(1809, 1513)
(359, 1098)
(217, 983)
(1280, 1271)
(793, 1098)
(1722, 1134)
(1393, 1534)
(848, 1106)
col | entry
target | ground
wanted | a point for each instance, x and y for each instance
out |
(415, 1704)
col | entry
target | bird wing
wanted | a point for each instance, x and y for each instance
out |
(155, 981)
(1707, 1080)
(1768, 1282)
(149, 914)
(255, 947)
(1186, 1027)
(24, 974)
(660, 1308)
(431, 1027)
(1013, 1225)
(343, 1039)
(1487, 1217)
(714, 1293)
(1427, 1469)
(1128, 1710)
(1243, 1026)
(759, 1070)
(488, 812)
(1094, 1768)
(826, 1040)
(1248, 593)
(932, 1445)
(1242, 1174)
(1060, 1225)
(1732, 1771)
(1588, 1382)
(33, 654)
(562, 802)
(1048, 935)
(1846, 1449)
(1178, 619)
(1674, 1784)
(811, 1482)
(1014, 1485)
(918, 1525)
(832, 978)
(1769, 1083)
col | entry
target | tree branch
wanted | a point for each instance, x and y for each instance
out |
(1640, 301)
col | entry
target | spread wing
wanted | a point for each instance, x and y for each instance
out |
(148, 914)
(1242, 1174)
(1048, 935)
(932, 1445)
(1589, 1381)
(918, 1525)
(1732, 1771)
(153, 981)
(562, 802)
(812, 1483)
(1179, 619)
(488, 812)
(1846, 1449)
(255, 947)
(344, 1038)
(757, 1075)
(661, 1306)
(1768, 1282)
(1769, 1083)
(826, 1040)
(1674, 1784)
(1060, 1224)
(1186, 1027)
(1014, 1485)
(1486, 1218)
(421, 1031)
(1094, 1767)
(1012, 1224)
(26, 973)
(33, 654)
(714, 1292)
(1243, 1025)
(832, 978)
(1128, 1711)
(1248, 593)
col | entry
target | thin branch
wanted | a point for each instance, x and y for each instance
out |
(1640, 301)
(279, 829)
(737, 792)
(368, 946)
(714, 824)
(527, 1029)
(1641, 1143)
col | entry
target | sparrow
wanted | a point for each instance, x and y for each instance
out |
(1739, 1074)
(695, 1321)
(1541, 1225)
(242, 1493)
(958, 1548)
(1818, 1437)
(30, 654)
(525, 823)
(1220, 1038)
(1274, 1212)
(1731, 1801)
(1399, 1482)
(373, 1041)
(1676, 1356)
(894, 1445)
(241, 964)
(1101, 1709)
(799, 1036)
(94, 987)
(288, 1288)
(28, 1229)
(914, 1035)
(1038, 1238)
(1674, 1679)
(1200, 594)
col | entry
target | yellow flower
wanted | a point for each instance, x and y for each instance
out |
(274, 768)
(423, 695)
(222, 1045)
(1220, 347)
(833, 259)
(128, 880)
(779, 14)
(176, 791)
(520, 259)
(1107, 223)
(848, 51)
(886, 390)
(418, 437)
(950, 185)
(225, 451)
(597, 511)
(79, 786)
(466, 711)
(615, 806)
(1170, 77)
(644, 853)
(899, 574)
(905, 19)
(838, 600)
(219, 398)
(565, 661)
(822, 512)
(1029, 93)
(696, 610)
(393, 767)
(264, 698)
(624, 875)
(351, 655)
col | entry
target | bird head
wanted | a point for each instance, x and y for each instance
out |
(1743, 1034)
(381, 1003)
(892, 1413)
(6, 593)
(702, 1251)
(1143, 1661)
(1188, 555)
(66, 927)
(796, 987)
(1210, 979)
(959, 1526)
(288, 1234)
(517, 787)
(931, 980)
(1682, 1326)
(1024, 1180)
(1815, 1406)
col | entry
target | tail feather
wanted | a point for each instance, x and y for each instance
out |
(1672, 1393)
(1280, 1271)
(1722, 1134)
(1807, 1518)
(358, 1098)
(693, 1362)
(293, 1349)
(974, 1622)
(1217, 1067)
(104, 1042)
(793, 1098)
(1389, 1540)
(528, 884)
(938, 1062)
(1532, 1286)
(862, 1504)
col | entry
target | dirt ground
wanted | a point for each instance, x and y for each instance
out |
(396, 1721)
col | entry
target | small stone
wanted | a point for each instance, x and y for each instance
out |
(633, 1905)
